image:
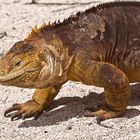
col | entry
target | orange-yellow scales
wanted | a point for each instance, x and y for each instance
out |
(100, 47)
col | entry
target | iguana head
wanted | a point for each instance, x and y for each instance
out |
(20, 66)
(25, 65)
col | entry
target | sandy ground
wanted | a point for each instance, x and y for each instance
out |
(66, 121)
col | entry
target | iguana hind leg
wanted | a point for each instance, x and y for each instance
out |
(42, 98)
(117, 89)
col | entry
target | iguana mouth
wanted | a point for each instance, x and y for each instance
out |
(15, 74)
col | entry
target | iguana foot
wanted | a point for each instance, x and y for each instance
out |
(104, 113)
(24, 110)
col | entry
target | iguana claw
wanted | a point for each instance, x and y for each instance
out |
(24, 110)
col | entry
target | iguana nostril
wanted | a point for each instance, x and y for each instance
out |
(2, 72)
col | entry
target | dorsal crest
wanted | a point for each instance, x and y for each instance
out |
(37, 30)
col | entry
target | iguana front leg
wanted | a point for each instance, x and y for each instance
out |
(117, 89)
(42, 98)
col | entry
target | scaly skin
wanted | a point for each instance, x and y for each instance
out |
(98, 47)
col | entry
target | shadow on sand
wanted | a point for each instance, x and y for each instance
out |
(66, 108)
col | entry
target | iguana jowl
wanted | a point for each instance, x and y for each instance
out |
(100, 47)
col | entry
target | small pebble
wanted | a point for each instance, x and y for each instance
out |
(69, 127)
(45, 131)
(13, 28)
(90, 123)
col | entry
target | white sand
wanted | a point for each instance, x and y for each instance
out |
(66, 121)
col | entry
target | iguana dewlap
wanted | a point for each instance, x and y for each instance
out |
(100, 47)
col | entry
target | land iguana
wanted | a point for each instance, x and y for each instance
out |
(100, 47)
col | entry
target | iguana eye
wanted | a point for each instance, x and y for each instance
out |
(18, 63)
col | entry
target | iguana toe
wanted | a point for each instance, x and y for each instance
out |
(103, 114)
(11, 109)
(24, 110)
